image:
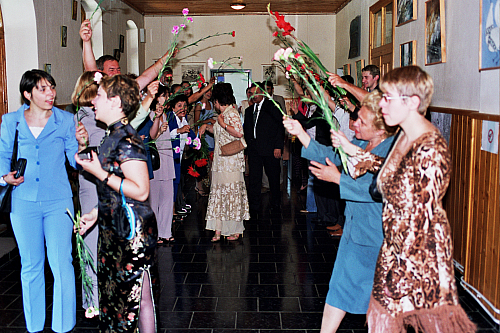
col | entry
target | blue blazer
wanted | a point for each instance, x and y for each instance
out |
(363, 216)
(176, 142)
(45, 177)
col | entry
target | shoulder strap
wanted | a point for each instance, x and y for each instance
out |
(13, 160)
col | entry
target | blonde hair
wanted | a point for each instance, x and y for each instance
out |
(85, 89)
(371, 102)
(410, 81)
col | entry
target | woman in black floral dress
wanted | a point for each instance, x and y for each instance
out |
(123, 265)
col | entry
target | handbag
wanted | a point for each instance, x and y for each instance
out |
(376, 195)
(6, 191)
(124, 222)
(233, 147)
(155, 156)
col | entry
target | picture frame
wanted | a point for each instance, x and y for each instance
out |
(408, 53)
(347, 69)
(47, 68)
(360, 64)
(190, 71)
(64, 36)
(122, 43)
(406, 11)
(270, 72)
(74, 10)
(489, 53)
(435, 36)
(117, 54)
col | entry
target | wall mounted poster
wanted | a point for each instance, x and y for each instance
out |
(360, 64)
(489, 46)
(406, 11)
(190, 72)
(269, 72)
(408, 53)
(347, 69)
(435, 37)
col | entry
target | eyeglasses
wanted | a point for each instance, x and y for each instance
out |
(388, 98)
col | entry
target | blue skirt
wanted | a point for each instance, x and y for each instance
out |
(352, 277)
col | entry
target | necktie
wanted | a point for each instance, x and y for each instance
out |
(255, 112)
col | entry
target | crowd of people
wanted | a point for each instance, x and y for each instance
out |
(394, 261)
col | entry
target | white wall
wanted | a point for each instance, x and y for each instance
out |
(458, 82)
(253, 41)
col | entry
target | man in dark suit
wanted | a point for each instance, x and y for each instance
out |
(264, 134)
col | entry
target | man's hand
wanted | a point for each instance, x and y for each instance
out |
(335, 80)
(277, 153)
(86, 31)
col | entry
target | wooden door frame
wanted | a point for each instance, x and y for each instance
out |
(4, 106)
(374, 9)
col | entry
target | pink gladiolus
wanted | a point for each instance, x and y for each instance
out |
(175, 29)
(190, 19)
(185, 11)
(210, 63)
(278, 54)
(287, 53)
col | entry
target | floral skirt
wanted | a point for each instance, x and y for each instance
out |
(227, 203)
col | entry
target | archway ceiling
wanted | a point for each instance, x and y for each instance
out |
(221, 7)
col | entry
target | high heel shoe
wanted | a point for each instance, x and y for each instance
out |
(234, 237)
(216, 238)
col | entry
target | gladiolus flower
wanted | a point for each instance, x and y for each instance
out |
(211, 156)
(275, 34)
(282, 24)
(289, 68)
(177, 150)
(190, 19)
(193, 172)
(278, 54)
(97, 77)
(287, 75)
(233, 33)
(287, 53)
(182, 26)
(210, 63)
(185, 11)
(201, 162)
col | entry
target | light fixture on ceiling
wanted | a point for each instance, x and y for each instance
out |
(238, 5)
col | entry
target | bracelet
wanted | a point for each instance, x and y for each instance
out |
(105, 181)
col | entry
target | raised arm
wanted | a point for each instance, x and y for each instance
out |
(152, 71)
(87, 54)
(197, 95)
(337, 81)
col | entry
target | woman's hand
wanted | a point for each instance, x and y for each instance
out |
(202, 129)
(339, 139)
(81, 136)
(184, 129)
(153, 88)
(87, 221)
(328, 173)
(9, 179)
(92, 166)
(163, 127)
(158, 111)
(293, 126)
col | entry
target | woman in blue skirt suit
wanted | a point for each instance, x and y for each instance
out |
(352, 277)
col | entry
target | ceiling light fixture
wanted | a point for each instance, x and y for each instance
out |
(238, 5)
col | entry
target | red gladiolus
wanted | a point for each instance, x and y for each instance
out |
(193, 172)
(303, 66)
(211, 156)
(275, 34)
(282, 24)
(316, 76)
(297, 56)
(289, 67)
(201, 163)
(233, 34)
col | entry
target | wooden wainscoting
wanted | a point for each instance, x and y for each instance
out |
(473, 203)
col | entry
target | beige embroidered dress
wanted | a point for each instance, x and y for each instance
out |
(414, 282)
(228, 202)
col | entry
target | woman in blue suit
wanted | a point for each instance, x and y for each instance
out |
(40, 198)
(352, 277)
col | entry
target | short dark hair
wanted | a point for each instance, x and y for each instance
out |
(161, 90)
(102, 59)
(348, 78)
(30, 80)
(179, 98)
(269, 83)
(373, 69)
(223, 93)
(127, 89)
(260, 85)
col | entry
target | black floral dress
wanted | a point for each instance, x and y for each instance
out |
(122, 263)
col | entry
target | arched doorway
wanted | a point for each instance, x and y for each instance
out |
(3, 71)
(132, 48)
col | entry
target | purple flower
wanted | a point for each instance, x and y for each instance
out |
(182, 26)
(185, 11)
(190, 19)
(175, 29)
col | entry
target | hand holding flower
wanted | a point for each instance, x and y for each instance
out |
(202, 129)
(87, 221)
(339, 139)
(335, 80)
(184, 129)
(86, 31)
(153, 88)
(81, 136)
(294, 128)
(328, 172)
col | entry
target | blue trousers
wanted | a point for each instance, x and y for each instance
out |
(36, 225)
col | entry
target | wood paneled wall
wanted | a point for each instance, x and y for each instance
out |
(473, 203)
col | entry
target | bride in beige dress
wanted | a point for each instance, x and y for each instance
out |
(228, 202)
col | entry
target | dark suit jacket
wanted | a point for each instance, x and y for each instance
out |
(270, 130)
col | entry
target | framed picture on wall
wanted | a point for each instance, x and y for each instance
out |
(117, 54)
(408, 53)
(122, 43)
(360, 64)
(435, 36)
(74, 10)
(47, 68)
(489, 25)
(270, 72)
(347, 69)
(64, 36)
(406, 11)
(191, 71)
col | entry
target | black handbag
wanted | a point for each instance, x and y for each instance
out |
(155, 155)
(376, 195)
(6, 191)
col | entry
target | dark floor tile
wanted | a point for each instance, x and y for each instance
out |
(240, 278)
(237, 304)
(169, 320)
(213, 320)
(277, 278)
(302, 290)
(195, 304)
(268, 267)
(219, 290)
(301, 320)
(185, 290)
(252, 290)
(273, 304)
(204, 278)
(181, 267)
(353, 321)
(6, 300)
(9, 317)
(258, 320)
(321, 267)
(274, 257)
(312, 304)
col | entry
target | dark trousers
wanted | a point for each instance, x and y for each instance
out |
(272, 168)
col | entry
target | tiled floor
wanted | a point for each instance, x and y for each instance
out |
(273, 280)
